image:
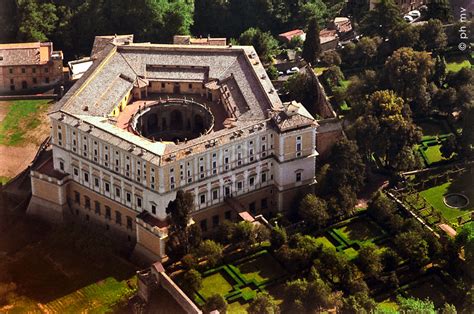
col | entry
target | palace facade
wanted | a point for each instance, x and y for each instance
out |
(148, 120)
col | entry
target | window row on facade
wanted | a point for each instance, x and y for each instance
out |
(100, 210)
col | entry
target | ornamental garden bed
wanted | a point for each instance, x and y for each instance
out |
(240, 281)
(434, 199)
(349, 235)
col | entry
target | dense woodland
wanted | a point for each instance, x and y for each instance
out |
(72, 24)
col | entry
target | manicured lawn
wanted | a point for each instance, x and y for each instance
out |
(237, 308)
(351, 253)
(22, 116)
(325, 242)
(433, 154)
(360, 229)
(456, 66)
(263, 267)
(99, 297)
(435, 197)
(215, 283)
(388, 306)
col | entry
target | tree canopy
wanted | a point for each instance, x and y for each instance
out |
(312, 43)
(265, 45)
(382, 19)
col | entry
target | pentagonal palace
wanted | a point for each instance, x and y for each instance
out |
(148, 120)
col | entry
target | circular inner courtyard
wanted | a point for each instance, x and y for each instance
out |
(173, 120)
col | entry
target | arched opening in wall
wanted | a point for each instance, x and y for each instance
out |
(152, 124)
(198, 123)
(176, 120)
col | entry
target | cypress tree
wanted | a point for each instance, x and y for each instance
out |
(312, 44)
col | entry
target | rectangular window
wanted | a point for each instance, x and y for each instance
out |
(10, 71)
(108, 213)
(129, 223)
(215, 221)
(128, 197)
(97, 207)
(203, 225)
(118, 217)
(33, 70)
(215, 194)
(46, 80)
(77, 197)
(61, 165)
(228, 215)
(96, 182)
(153, 209)
(240, 185)
(86, 177)
(202, 199)
(117, 191)
(23, 70)
(107, 187)
(87, 202)
(35, 80)
(75, 171)
(252, 180)
(264, 204)
(298, 177)
(264, 177)
(139, 202)
(252, 208)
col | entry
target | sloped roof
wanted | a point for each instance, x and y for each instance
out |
(25, 53)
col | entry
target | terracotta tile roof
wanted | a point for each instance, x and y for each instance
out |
(25, 53)
(290, 34)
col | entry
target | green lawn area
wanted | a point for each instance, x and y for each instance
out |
(455, 66)
(99, 297)
(434, 196)
(350, 253)
(237, 308)
(360, 229)
(53, 273)
(22, 116)
(388, 306)
(325, 242)
(215, 283)
(433, 154)
(263, 267)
